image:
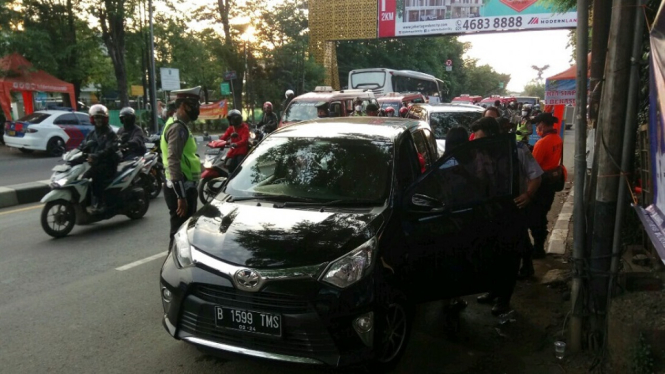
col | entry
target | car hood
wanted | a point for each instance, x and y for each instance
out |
(266, 237)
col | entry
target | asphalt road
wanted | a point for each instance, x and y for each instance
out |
(17, 167)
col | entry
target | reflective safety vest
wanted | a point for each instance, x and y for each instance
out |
(523, 128)
(189, 162)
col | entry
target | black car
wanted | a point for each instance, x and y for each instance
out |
(443, 117)
(328, 234)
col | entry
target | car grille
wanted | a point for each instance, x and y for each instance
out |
(301, 340)
(230, 297)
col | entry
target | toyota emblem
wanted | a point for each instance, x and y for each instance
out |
(247, 280)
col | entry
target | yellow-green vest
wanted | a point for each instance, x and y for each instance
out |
(189, 163)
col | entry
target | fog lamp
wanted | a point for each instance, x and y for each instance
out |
(166, 295)
(364, 326)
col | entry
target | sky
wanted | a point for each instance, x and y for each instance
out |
(515, 52)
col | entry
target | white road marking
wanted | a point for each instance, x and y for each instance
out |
(22, 209)
(141, 262)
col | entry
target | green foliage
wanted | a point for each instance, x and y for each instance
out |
(535, 89)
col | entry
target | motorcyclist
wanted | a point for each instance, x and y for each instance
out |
(238, 135)
(524, 127)
(403, 111)
(358, 108)
(372, 110)
(390, 112)
(289, 95)
(102, 155)
(131, 136)
(269, 121)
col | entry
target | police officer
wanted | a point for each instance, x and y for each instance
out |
(524, 127)
(131, 136)
(182, 165)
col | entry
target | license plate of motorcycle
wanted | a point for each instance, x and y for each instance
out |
(248, 321)
(212, 151)
(11, 132)
(60, 168)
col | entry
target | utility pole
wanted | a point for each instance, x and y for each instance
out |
(579, 228)
(602, 13)
(153, 84)
(610, 129)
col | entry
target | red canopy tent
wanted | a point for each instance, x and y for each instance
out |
(18, 74)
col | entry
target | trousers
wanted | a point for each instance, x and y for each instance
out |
(172, 203)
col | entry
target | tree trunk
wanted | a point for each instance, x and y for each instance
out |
(112, 21)
(72, 59)
(602, 12)
(224, 6)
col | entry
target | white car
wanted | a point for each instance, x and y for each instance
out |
(53, 131)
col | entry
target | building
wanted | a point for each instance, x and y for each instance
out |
(433, 10)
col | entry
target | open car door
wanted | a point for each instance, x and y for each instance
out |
(451, 217)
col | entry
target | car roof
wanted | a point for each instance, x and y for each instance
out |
(388, 129)
(399, 97)
(53, 112)
(437, 108)
(331, 95)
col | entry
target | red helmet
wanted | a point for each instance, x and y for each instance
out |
(403, 111)
(267, 104)
(390, 110)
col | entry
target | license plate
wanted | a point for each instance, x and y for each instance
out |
(212, 151)
(11, 132)
(249, 321)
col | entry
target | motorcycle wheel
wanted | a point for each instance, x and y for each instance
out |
(141, 205)
(206, 191)
(156, 180)
(58, 218)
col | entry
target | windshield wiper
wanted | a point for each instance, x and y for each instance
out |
(339, 202)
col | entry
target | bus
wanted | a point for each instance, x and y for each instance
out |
(383, 81)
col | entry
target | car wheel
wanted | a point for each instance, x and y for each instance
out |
(58, 218)
(25, 150)
(392, 331)
(55, 147)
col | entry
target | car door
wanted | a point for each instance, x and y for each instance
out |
(70, 125)
(451, 215)
(84, 127)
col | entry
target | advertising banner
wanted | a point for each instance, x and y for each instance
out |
(212, 111)
(653, 217)
(560, 92)
(431, 17)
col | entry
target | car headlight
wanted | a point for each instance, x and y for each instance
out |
(183, 250)
(352, 267)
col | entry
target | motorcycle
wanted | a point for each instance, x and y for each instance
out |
(215, 171)
(71, 195)
(152, 173)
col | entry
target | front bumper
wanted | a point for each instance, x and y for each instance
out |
(316, 320)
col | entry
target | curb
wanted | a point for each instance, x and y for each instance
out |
(24, 193)
(557, 242)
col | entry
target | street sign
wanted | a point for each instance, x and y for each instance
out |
(229, 75)
(136, 90)
(449, 62)
(226, 89)
(170, 79)
(449, 68)
(500, 84)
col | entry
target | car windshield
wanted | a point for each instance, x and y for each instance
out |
(300, 111)
(441, 122)
(318, 169)
(34, 118)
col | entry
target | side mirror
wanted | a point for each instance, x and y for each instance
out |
(427, 203)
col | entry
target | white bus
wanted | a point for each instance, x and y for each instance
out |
(384, 81)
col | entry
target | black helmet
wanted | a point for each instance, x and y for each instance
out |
(234, 117)
(127, 116)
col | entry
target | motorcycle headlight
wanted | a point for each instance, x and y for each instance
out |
(183, 250)
(351, 268)
(62, 181)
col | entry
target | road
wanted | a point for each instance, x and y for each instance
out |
(17, 167)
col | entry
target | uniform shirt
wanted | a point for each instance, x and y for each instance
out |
(548, 150)
(176, 136)
(241, 141)
(529, 168)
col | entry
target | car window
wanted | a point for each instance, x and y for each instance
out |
(335, 109)
(424, 156)
(66, 119)
(431, 141)
(316, 168)
(407, 164)
(441, 122)
(83, 119)
(34, 118)
(300, 111)
(349, 106)
(473, 173)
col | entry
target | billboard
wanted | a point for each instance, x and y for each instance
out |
(212, 111)
(170, 79)
(560, 92)
(433, 17)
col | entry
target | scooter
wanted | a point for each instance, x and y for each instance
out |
(215, 171)
(152, 173)
(71, 195)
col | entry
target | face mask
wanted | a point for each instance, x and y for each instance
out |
(193, 114)
(359, 108)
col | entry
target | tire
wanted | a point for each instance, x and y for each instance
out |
(64, 218)
(392, 329)
(206, 192)
(142, 204)
(55, 147)
(156, 180)
(26, 150)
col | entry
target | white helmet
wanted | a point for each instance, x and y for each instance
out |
(99, 110)
(289, 93)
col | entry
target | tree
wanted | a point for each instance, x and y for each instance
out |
(535, 89)
(111, 14)
(483, 80)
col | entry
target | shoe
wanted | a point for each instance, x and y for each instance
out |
(526, 272)
(487, 298)
(501, 307)
(96, 209)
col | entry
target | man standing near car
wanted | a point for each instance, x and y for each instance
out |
(182, 165)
